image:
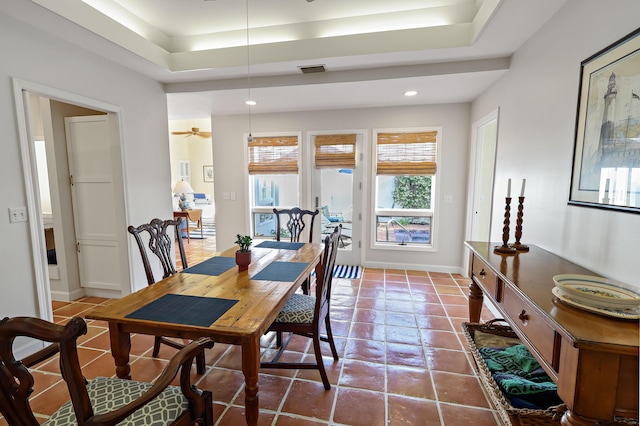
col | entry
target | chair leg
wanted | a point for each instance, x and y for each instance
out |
(156, 346)
(320, 362)
(306, 286)
(327, 325)
(201, 408)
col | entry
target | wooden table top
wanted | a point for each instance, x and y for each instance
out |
(259, 302)
(532, 275)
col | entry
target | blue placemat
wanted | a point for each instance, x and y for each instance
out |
(184, 309)
(281, 245)
(214, 266)
(281, 271)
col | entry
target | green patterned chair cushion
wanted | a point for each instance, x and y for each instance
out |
(108, 394)
(299, 309)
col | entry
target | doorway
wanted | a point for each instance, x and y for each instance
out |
(481, 177)
(337, 190)
(53, 105)
(191, 158)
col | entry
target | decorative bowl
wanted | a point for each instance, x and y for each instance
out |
(599, 291)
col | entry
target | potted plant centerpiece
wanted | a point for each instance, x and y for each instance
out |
(243, 254)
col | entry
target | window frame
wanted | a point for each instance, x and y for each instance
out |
(432, 212)
(258, 210)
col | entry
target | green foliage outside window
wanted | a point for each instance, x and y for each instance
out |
(412, 192)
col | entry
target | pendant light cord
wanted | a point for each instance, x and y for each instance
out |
(248, 69)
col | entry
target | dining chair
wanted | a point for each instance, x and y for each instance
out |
(304, 315)
(295, 222)
(101, 401)
(159, 244)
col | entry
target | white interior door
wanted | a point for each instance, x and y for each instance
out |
(337, 192)
(92, 193)
(486, 134)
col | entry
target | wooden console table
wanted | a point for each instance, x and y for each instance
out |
(592, 358)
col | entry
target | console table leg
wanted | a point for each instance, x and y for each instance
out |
(475, 302)
(569, 418)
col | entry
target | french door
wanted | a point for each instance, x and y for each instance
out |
(337, 194)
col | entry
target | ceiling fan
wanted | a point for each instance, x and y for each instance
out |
(194, 132)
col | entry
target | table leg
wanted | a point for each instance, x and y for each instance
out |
(120, 348)
(572, 419)
(475, 302)
(250, 369)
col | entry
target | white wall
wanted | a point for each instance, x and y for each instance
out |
(538, 103)
(230, 171)
(31, 55)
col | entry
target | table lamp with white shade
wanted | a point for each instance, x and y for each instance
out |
(183, 188)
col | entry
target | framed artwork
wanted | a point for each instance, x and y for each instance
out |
(606, 158)
(207, 173)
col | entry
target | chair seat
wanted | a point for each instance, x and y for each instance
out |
(299, 309)
(108, 394)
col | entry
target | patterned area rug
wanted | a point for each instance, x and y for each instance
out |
(345, 271)
(208, 229)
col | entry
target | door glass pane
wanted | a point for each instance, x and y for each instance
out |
(336, 203)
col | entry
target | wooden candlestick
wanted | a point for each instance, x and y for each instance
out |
(505, 248)
(517, 245)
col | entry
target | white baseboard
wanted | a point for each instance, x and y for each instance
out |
(66, 296)
(415, 267)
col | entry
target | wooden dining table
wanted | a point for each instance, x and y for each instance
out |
(214, 299)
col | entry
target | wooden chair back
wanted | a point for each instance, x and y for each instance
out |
(295, 222)
(17, 382)
(296, 317)
(160, 245)
(324, 274)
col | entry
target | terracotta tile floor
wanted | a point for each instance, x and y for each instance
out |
(403, 359)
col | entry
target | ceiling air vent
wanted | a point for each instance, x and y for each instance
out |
(312, 69)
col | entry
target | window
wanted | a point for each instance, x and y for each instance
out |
(405, 168)
(273, 180)
(184, 170)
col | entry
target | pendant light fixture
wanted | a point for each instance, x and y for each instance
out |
(250, 102)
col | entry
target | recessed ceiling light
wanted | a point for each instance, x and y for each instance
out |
(250, 102)
(410, 93)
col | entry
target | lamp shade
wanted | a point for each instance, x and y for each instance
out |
(183, 187)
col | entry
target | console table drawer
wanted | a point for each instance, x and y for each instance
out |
(485, 277)
(530, 323)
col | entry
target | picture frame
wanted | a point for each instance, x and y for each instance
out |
(207, 173)
(606, 157)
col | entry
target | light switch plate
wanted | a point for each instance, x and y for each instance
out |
(17, 214)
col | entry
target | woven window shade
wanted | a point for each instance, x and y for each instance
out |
(407, 153)
(273, 155)
(336, 151)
